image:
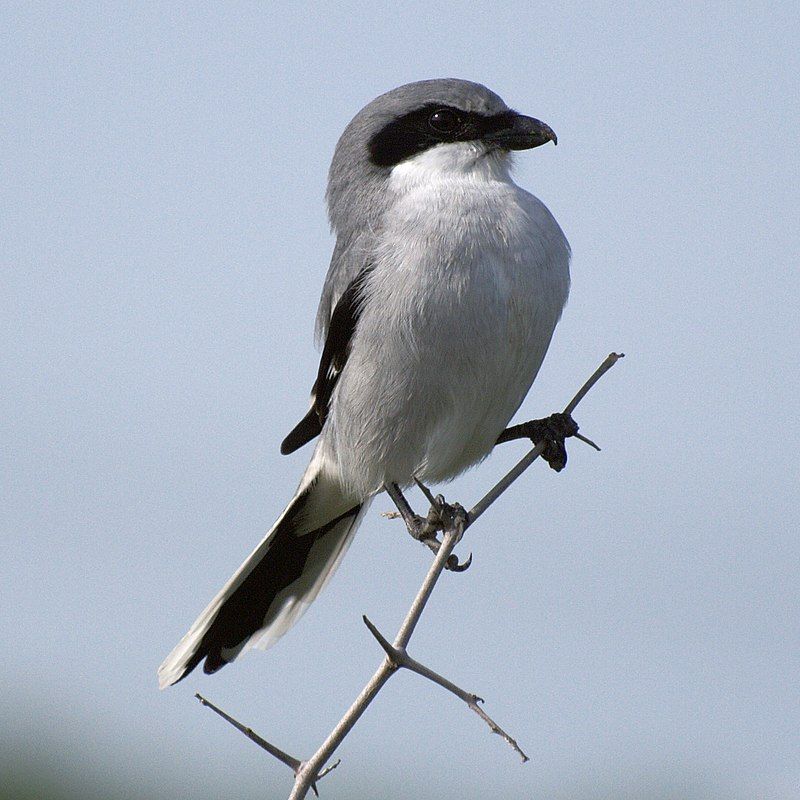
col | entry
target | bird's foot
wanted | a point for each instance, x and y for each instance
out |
(552, 430)
(442, 516)
(445, 517)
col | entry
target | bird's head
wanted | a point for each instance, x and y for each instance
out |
(448, 121)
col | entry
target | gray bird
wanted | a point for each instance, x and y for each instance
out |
(446, 283)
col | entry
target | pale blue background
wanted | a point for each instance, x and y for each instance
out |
(633, 621)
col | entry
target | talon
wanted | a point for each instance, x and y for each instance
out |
(445, 517)
(564, 424)
(552, 431)
(459, 515)
(555, 454)
(453, 565)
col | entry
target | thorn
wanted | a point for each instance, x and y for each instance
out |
(323, 774)
(587, 441)
(389, 649)
(331, 768)
(427, 492)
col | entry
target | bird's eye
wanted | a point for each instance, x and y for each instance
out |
(444, 120)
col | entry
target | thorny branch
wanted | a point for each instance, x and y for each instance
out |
(307, 773)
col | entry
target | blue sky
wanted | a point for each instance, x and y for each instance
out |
(633, 621)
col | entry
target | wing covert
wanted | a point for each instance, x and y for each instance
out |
(334, 356)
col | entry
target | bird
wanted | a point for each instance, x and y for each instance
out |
(444, 289)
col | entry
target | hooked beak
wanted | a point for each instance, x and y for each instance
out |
(523, 133)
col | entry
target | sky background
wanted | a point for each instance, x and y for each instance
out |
(633, 621)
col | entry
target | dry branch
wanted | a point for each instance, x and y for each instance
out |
(307, 773)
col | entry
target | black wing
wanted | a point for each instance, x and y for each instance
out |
(334, 356)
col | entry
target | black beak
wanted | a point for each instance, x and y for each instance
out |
(522, 133)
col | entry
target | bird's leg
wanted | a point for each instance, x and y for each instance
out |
(552, 430)
(416, 525)
(441, 516)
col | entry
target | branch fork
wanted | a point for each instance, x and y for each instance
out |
(399, 658)
(452, 521)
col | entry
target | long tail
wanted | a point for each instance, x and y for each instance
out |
(277, 583)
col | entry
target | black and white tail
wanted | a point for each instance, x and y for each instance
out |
(277, 583)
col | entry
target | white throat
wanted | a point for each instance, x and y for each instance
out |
(452, 162)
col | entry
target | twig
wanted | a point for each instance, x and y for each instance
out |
(311, 767)
(307, 773)
(293, 763)
(528, 459)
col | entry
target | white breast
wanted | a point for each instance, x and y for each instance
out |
(469, 280)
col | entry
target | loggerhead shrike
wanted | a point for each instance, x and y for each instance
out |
(446, 283)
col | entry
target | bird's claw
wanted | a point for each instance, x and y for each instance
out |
(453, 565)
(442, 516)
(552, 431)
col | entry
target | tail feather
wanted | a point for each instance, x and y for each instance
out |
(277, 582)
